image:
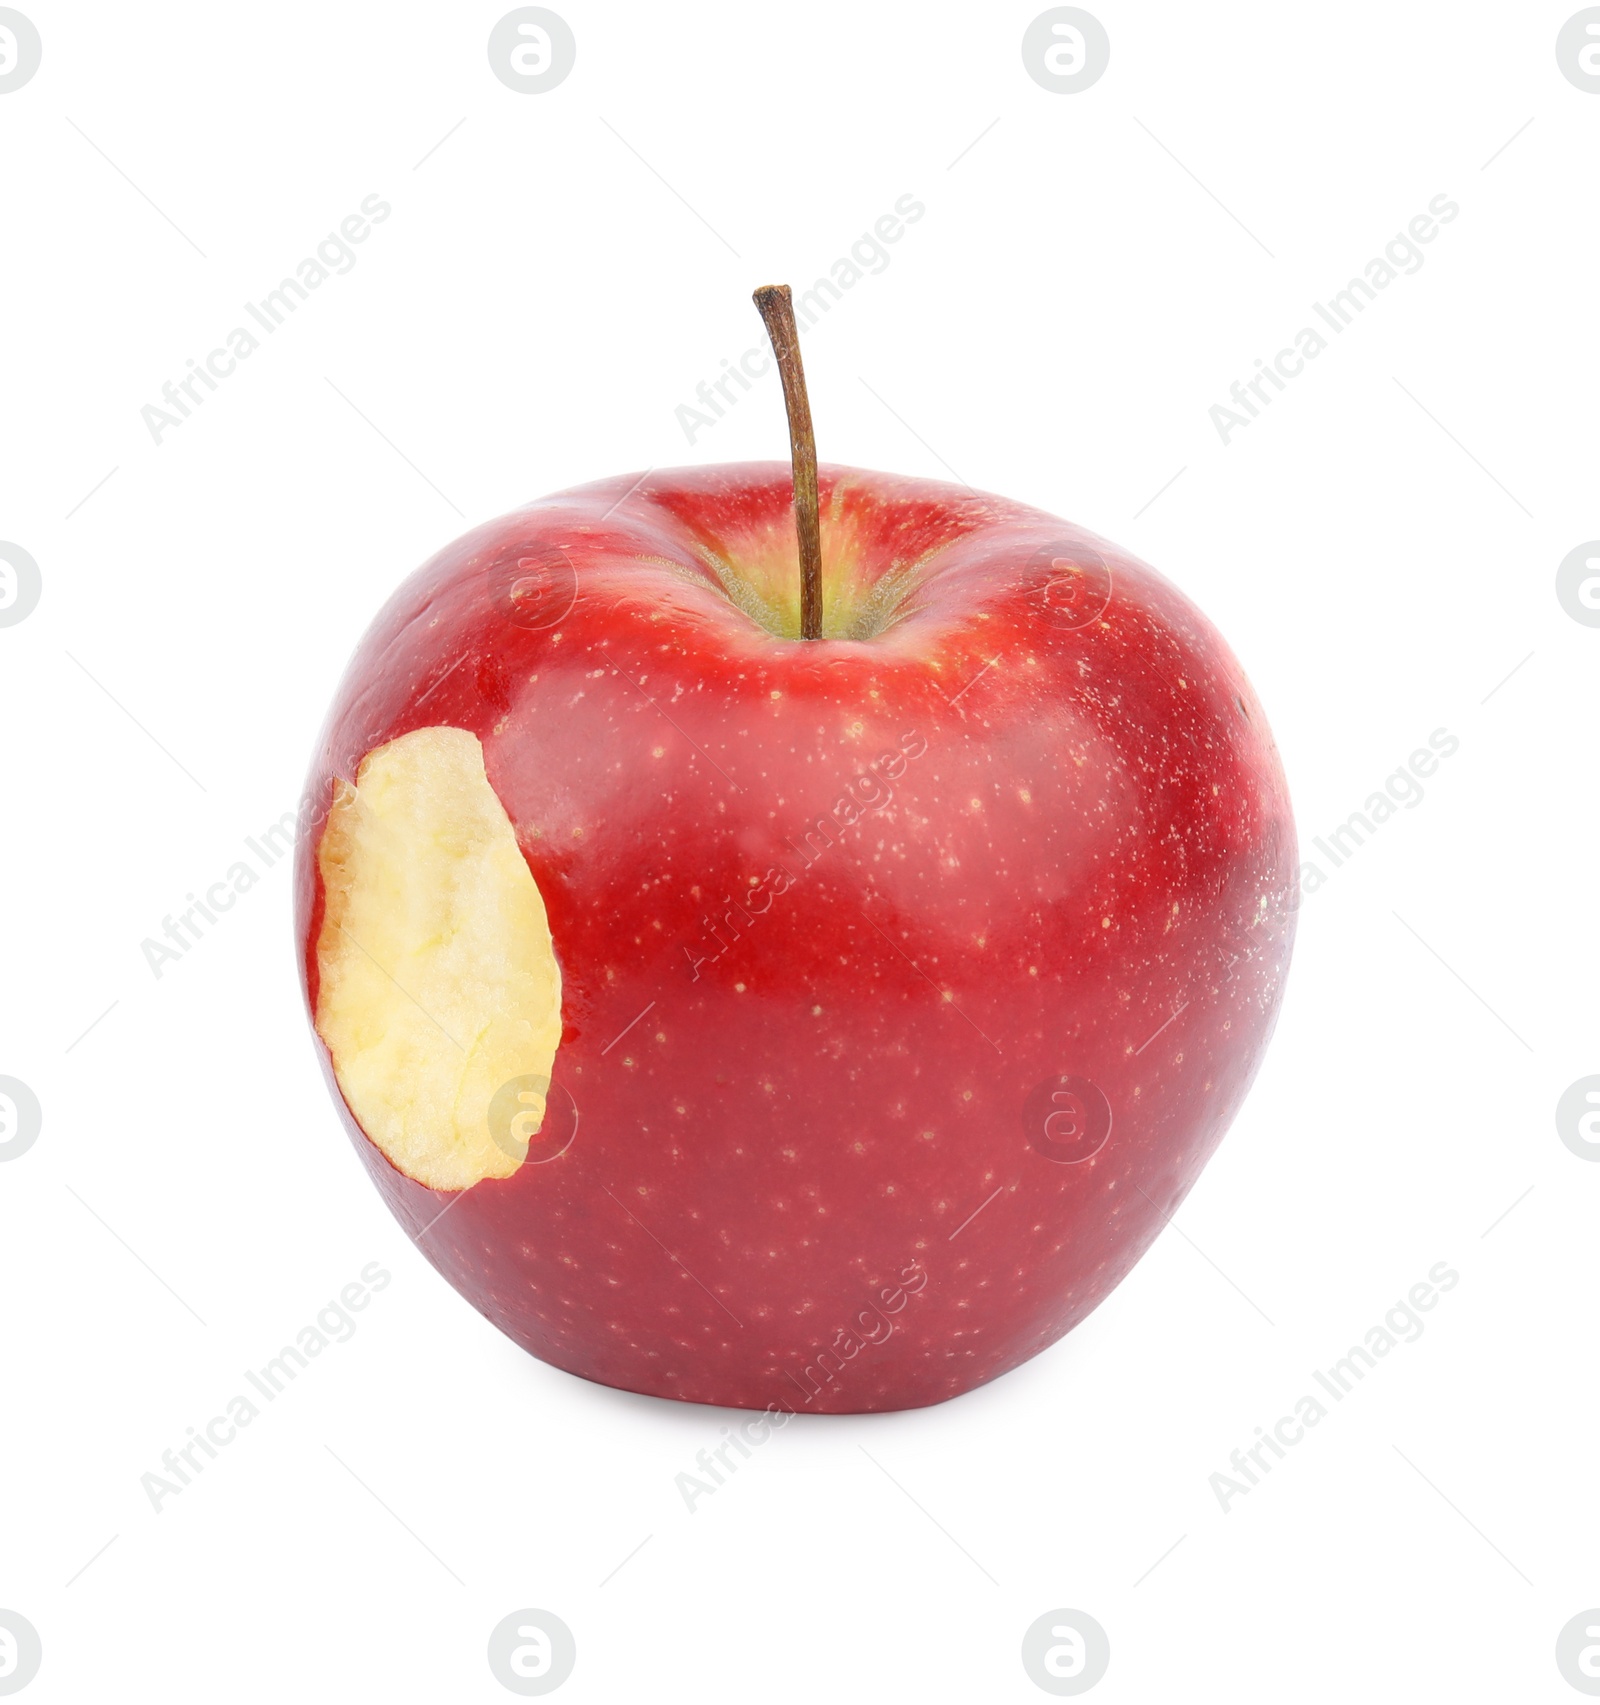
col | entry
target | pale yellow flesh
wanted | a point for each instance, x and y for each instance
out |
(439, 982)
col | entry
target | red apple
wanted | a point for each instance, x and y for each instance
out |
(755, 1020)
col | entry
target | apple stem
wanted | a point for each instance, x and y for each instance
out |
(776, 307)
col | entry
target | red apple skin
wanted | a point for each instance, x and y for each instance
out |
(813, 1143)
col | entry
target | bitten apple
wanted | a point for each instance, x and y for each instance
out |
(753, 1019)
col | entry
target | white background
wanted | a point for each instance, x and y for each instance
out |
(1379, 548)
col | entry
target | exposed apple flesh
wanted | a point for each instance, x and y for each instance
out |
(438, 982)
(828, 916)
